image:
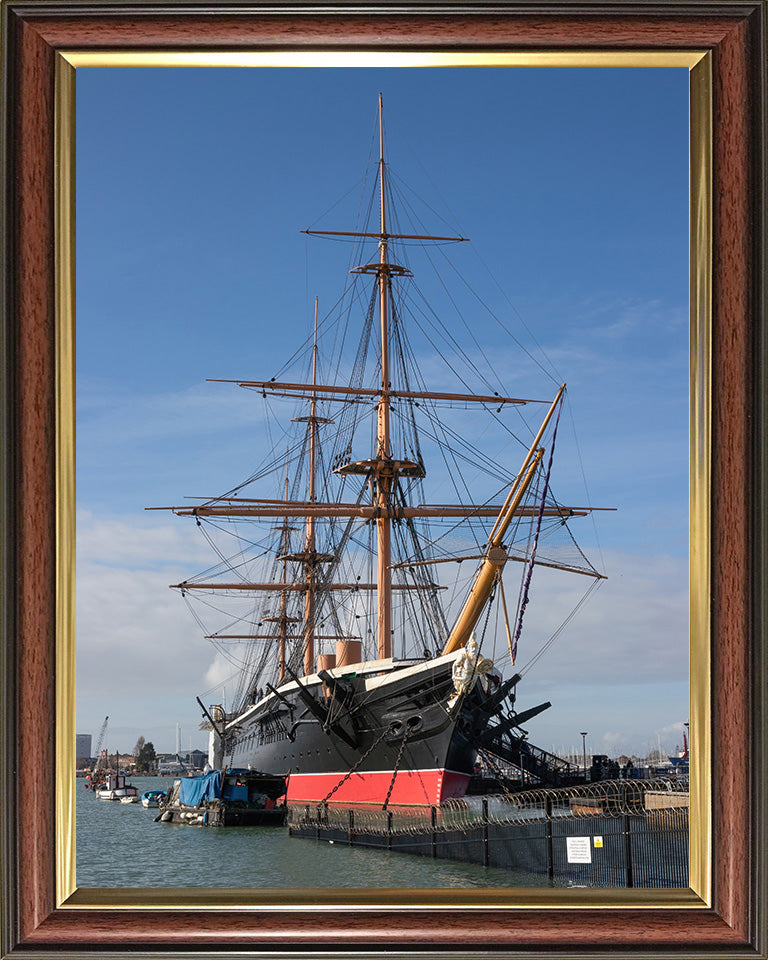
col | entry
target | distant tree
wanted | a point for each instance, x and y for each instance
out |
(145, 759)
(137, 749)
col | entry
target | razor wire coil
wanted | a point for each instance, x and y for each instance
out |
(662, 797)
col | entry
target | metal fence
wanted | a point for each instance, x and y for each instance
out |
(611, 834)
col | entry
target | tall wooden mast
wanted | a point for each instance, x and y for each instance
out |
(283, 592)
(384, 478)
(310, 558)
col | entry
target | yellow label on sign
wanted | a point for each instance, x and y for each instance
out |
(598, 841)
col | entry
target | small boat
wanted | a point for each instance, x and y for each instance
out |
(132, 798)
(681, 759)
(152, 798)
(226, 798)
(115, 788)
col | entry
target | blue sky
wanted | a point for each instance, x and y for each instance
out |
(192, 187)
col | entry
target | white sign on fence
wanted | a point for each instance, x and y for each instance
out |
(579, 849)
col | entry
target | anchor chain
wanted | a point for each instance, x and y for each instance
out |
(397, 764)
(352, 769)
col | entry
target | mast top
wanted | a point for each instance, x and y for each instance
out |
(382, 236)
(382, 200)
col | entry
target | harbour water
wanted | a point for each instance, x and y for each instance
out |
(120, 846)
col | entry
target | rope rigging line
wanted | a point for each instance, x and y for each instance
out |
(346, 326)
(594, 585)
(532, 560)
(451, 338)
(418, 220)
(503, 326)
(420, 607)
(403, 186)
(410, 309)
(482, 461)
(276, 464)
(554, 376)
(226, 563)
(430, 407)
(521, 586)
(491, 412)
(318, 219)
(586, 486)
(305, 347)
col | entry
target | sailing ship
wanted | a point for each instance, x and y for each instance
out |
(357, 680)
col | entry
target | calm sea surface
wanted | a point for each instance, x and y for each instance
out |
(120, 845)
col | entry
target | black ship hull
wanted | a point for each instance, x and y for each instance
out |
(375, 732)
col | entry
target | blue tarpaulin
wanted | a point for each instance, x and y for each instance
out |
(234, 791)
(195, 789)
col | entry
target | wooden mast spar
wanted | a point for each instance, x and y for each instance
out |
(283, 618)
(384, 479)
(309, 546)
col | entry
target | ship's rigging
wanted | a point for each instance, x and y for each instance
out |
(354, 551)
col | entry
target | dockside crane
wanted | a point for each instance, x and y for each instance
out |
(101, 756)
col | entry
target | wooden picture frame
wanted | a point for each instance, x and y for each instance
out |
(728, 917)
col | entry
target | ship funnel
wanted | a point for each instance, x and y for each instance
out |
(348, 651)
(326, 661)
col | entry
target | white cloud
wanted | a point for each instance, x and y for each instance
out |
(134, 634)
(220, 673)
(132, 630)
(610, 740)
(137, 541)
(671, 730)
(633, 629)
(124, 418)
(620, 668)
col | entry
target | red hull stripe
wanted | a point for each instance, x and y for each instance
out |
(423, 787)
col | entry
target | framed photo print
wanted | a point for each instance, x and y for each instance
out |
(370, 537)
